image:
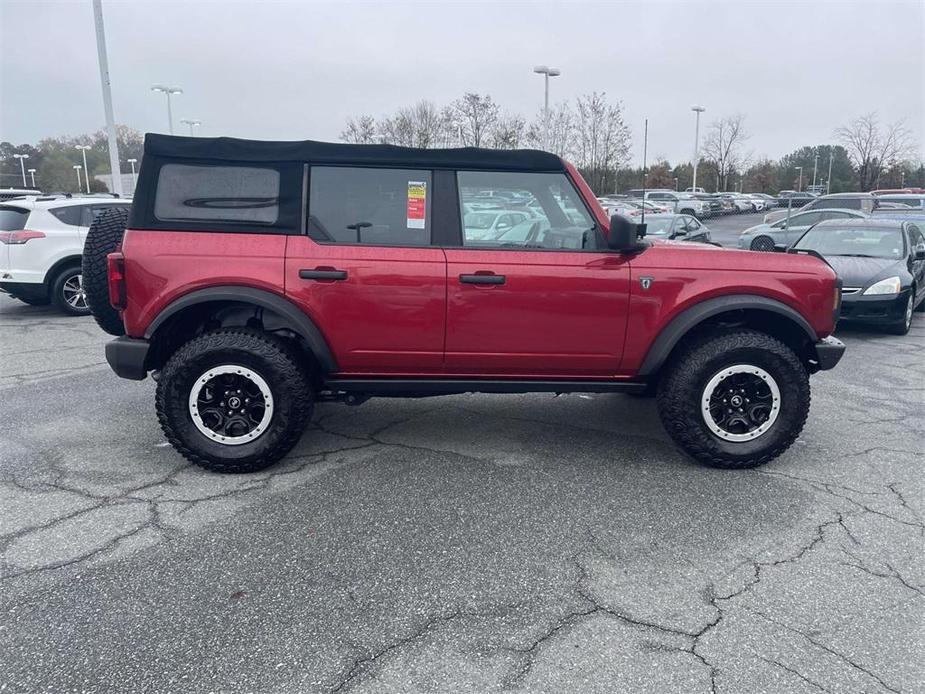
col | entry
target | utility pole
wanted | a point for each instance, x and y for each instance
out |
(698, 110)
(107, 98)
(83, 150)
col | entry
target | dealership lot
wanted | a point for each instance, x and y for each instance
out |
(468, 543)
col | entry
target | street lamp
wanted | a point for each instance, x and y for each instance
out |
(77, 169)
(191, 122)
(32, 173)
(698, 110)
(815, 166)
(167, 91)
(800, 183)
(675, 182)
(547, 72)
(83, 150)
(134, 175)
(22, 166)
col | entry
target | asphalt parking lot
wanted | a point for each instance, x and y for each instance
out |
(471, 543)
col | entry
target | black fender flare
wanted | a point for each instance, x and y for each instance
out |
(691, 317)
(302, 324)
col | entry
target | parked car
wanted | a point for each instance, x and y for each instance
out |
(41, 241)
(740, 203)
(897, 191)
(679, 203)
(488, 223)
(342, 272)
(864, 202)
(698, 189)
(763, 201)
(715, 205)
(764, 237)
(652, 207)
(13, 193)
(794, 198)
(678, 227)
(914, 200)
(881, 263)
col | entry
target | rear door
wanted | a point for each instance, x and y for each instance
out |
(548, 301)
(366, 272)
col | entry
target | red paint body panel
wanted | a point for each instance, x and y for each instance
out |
(557, 314)
(162, 266)
(387, 316)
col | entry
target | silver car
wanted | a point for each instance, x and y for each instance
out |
(764, 237)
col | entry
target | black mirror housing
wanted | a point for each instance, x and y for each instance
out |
(780, 247)
(624, 235)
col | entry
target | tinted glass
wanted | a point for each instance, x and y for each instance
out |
(380, 207)
(91, 212)
(854, 241)
(910, 202)
(237, 194)
(13, 218)
(546, 208)
(68, 215)
(658, 226)
(840, 203)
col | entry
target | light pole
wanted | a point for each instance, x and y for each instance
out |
(83, 150)
(547, 72)
(22, 166)
(107, 97)
(828, 181)
(77, 169)
(800, 183)
(167, 91)
(134, 175)
(815, 166)
(32, 173)
(191, 122)
(676, 183)
(698, 110)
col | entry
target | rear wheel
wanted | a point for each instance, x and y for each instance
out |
(921, 307)
(764, 244)
(103, 238)
(234, 400)
(67, 292)
(734, 400)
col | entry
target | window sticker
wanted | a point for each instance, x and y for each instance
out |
(417, 204)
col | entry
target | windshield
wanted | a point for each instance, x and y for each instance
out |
(658, 226)
(862, 242)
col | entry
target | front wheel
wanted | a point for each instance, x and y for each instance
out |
(765, 244)
(903, 326)
(734, 400)
(234, 400)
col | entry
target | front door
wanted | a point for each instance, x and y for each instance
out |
(366, 273)
(542, 299)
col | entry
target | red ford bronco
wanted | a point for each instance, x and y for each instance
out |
(256, 278)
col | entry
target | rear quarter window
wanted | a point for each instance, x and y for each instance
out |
(67, 215)
(221, 194)
(13, 218)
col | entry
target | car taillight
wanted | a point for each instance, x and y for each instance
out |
(115, 266)
(18, 237)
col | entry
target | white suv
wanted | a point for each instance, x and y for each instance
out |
(41, 243)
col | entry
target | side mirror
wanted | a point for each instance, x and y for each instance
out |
(780, 247)
(624, 234)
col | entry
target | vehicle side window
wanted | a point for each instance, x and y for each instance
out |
(377, 207)
(546, 210)
(916, 238)
(692, 224)
(805, 220)
(197, 193)
(68, 215)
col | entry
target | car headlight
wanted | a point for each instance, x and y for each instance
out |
(891, 285)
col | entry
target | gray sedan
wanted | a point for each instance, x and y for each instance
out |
(763, 237)
(680, 227)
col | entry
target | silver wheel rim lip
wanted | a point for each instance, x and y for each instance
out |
(909, 309)
(254, 378)
(73, 290)
(718, 378)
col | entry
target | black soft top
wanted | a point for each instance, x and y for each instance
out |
(309, 151)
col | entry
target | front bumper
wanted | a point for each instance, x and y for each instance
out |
(876, 310)
(127, 356)
(829, 352)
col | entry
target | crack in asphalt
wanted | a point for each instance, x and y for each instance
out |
(793, 671)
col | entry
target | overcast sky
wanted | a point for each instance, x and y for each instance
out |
(298, 70)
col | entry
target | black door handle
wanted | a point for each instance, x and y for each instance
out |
(481, 279)
(321, 274)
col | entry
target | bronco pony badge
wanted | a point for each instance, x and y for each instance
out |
(646, 281)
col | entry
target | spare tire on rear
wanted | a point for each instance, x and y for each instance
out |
(103, 238)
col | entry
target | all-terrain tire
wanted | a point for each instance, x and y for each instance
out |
(682, 389)
(764, 244)
(103, 238)
(272, 359)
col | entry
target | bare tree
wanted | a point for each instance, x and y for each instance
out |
(723, 146)
(561, 132)
(508, 132)
(397, 129)
(874, 149)
(361, 131)
(477, 115)
(602, 138)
